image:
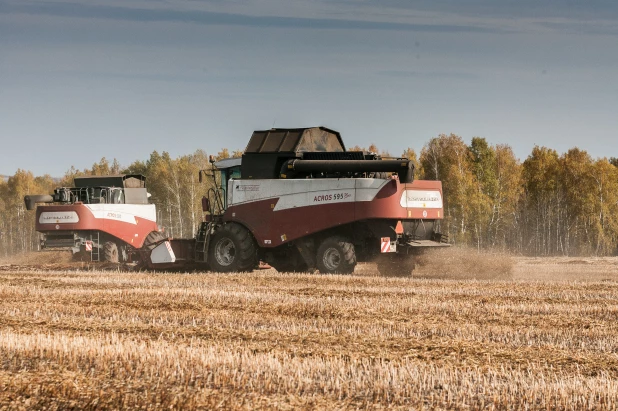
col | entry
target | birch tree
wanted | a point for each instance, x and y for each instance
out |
(447, 158)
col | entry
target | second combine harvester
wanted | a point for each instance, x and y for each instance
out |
(299, 201)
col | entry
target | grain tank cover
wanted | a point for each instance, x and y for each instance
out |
(297, 140)
(269, 149)
(316, 152)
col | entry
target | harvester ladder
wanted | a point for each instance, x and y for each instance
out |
(95, 253)
(202, 241)
(216, 206)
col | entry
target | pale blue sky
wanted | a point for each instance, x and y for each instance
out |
(83, 79)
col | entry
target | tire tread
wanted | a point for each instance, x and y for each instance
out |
(348, 254)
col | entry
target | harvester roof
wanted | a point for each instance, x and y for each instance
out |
(119, 180)
(228, 163)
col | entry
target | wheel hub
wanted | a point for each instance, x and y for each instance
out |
(331, 258)
(225, 252)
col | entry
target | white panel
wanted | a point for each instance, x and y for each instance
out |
(302, 193)
(421, 199)
(58, 217)
(368, 188)
(123, 212)
(325, 196)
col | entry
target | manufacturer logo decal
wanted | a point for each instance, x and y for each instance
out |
(421, 199)
(58, 217)
(247, 187)
(331, 197)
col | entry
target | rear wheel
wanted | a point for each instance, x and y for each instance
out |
(232, 249)
(396, 265)
(336, 255)
(110, 252)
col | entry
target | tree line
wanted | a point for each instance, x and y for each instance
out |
(549, 204)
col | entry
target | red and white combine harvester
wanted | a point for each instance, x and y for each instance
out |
(104, 218)
(299, 201)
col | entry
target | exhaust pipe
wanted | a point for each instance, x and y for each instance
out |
(32, 200)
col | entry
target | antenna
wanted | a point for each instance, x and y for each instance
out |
(274, 121)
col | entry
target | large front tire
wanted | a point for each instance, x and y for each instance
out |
(336, 255)
(232, 249)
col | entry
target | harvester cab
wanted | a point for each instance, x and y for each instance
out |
(228, 169)
(214, 203)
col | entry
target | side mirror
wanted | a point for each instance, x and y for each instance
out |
(203, 173)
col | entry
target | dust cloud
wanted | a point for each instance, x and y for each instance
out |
(464, 263)
(38, 257)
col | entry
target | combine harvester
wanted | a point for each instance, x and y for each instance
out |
(104, 218)
(298, 201)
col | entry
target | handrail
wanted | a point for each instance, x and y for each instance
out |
(217, 203)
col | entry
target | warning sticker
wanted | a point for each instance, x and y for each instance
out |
(385, 245)
(388, 246)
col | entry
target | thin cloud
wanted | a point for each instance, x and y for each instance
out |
(230, 19)
(432, 74)
(581, 28)
(590, 10)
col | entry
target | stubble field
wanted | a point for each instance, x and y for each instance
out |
(544, 336)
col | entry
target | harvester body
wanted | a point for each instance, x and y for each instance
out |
(280, 211)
